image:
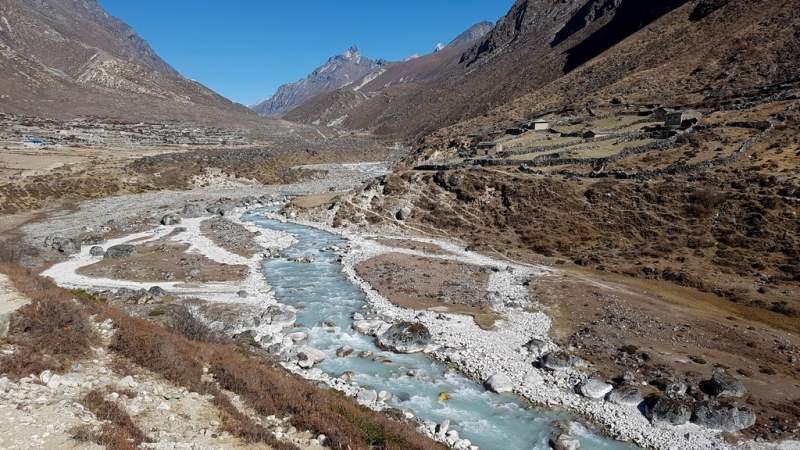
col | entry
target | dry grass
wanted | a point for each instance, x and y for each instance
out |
(50, 332)
(263, 384)
(118, 433)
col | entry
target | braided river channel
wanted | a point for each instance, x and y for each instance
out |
(323, 297)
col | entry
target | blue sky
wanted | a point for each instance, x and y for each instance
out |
(245, 49)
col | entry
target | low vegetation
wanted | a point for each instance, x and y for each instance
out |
(55, 330)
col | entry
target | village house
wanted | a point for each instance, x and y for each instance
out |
(676, 118)
(541, 125)
(488, 148)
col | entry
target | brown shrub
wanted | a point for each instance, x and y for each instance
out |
(50, 332)
(181, 321)
(121, 433)
(704, 201)
(175, 358)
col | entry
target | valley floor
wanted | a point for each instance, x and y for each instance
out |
(667, 333)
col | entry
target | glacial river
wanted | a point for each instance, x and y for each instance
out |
(323, 296)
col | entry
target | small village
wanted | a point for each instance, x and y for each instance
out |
(32, 132)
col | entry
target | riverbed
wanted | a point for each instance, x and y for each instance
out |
(326, 302)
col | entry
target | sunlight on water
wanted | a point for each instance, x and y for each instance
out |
(326, 301)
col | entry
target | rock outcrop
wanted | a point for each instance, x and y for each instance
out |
(405, 337)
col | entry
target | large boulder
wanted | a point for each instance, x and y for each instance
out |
(97, 251)
(305, 356)
(405, 337)
(499, 383)
(723, 385)
(559, 360)
(53, 239)
(627, 396)
(277, 315)
(190, 210)
(120, 251)
(221, 209)
(666, 411)
(170, 219)
(403, 213)
(564, 442)
(69, 246)
(593, 388)
(723, 416)
(369, 326)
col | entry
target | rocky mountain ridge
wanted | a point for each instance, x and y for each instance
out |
(339, 71)
(351, 71)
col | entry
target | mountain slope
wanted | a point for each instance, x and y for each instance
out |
(471, 35)
(69, 57)
(341, 70)
(537, 43)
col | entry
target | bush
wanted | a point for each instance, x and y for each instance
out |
(703, 202)
(120, 434)
(183, 322)
(50, 332)
(629, 349)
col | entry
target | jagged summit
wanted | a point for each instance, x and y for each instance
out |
(339, 71)
(352, 53)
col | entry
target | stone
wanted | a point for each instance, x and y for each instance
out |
(365, 354)
(306, 356)
(157, 292)
(192, 272)
(366, 396)
(559, 360)
(53, 239)
(5, 323)
(5, 384)
(444, 396)
(369, 327)
(564, 442)
(71, 379)
(405, 337)
(666, 411)
(593, 388)
(242, 294)
(344, 351)
(120, 251)
(403, 213)
(97, 251)
(441, 430)
(537, 346)
(298, 336)
(277, 315)
(724, 416)
(170, 219)
(499, 383)
(93, 240)
(348, 375)
(723, 385)
(627, 396)
(45, 376)
(69, 246)
(384, 396)
(190, 210)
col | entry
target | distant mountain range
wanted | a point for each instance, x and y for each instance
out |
(349, 70)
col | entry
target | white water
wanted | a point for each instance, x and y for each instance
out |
(323, 296)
